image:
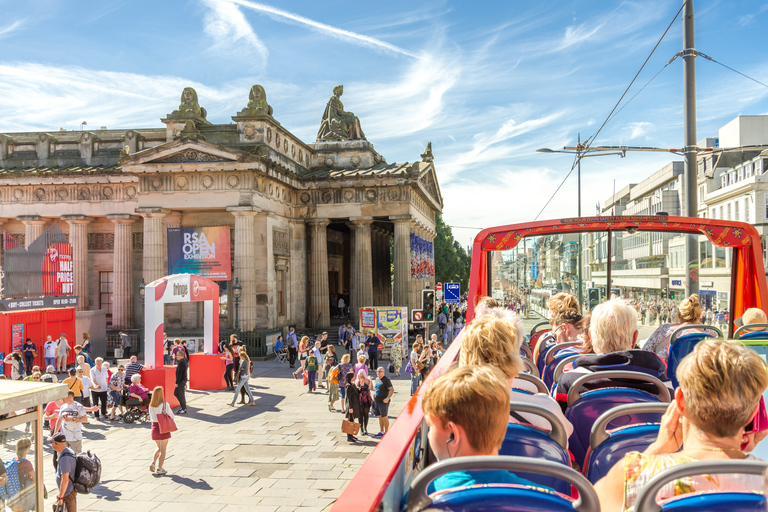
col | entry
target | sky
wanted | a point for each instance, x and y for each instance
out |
(487, 82)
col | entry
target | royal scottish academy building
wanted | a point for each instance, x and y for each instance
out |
(294, 224)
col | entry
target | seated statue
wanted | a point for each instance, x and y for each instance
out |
(257, 101)
(338, 124)
(189, 105)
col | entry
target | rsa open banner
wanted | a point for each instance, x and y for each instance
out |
(203, 251)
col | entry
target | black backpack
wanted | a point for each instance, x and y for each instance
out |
(87, 471)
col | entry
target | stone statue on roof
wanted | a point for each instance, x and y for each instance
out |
(257, 101)
(189, 106)
(338, 124)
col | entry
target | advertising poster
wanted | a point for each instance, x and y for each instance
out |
(17, 336)
(391, 326)
(203, 251)
(367, 319)
(58, 270)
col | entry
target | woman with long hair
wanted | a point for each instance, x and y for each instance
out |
(351, 400)
(229, 360)
(245, 375)
(303, 349)
(158, 406)
(363, 384)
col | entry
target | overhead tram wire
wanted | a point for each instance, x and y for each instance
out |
(643, 87)
(610, 115)
(729, 67)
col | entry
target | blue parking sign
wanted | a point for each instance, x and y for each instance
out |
(452, 293)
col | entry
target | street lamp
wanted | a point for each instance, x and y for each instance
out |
(237, 290)
(142, 291)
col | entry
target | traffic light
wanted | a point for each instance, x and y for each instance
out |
(593, 296)
(428, 305)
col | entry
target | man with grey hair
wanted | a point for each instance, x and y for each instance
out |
(100, 383)
(613, 332)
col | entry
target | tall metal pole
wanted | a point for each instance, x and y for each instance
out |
(578, 174)
(690, 169)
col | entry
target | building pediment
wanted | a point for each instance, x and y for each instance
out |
(427, 182)
(182, 151)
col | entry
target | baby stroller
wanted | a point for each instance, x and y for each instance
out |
(134, 411)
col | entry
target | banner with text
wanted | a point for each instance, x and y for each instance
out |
(203, 251)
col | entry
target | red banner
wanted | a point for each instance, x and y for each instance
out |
(58, 270)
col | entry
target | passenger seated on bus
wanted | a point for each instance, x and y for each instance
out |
(489, 340)
(466, 410)
(688, 313)
(613, 332)
(560, 304)
(721, 384)
(752, 316)
(585, 348)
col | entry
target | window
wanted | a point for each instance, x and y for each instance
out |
(712, 214)
(741, 173)
(736, 210)
(729, 211)
(280, 295)
(721, 213)
(106, 282)
(746, 209)
(723, 181)
(702, 192)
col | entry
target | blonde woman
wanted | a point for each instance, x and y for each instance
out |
(158, 406)
(303, 349)
(688, 313)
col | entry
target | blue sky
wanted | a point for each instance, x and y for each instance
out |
(486, 82)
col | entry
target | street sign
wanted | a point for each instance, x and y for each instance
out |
(452, 293)
(417, 316)
(439, 291)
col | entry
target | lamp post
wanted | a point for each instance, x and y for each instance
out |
(142, 288)
(237, 290)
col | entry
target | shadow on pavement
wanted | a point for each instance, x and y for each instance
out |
(100, 491)
(188, 482)
(265, 402)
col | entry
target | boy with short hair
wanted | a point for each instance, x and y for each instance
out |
(467, 410)
(311, 371)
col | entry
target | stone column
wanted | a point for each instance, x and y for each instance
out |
(387, 266)
(363, 265)
(319, 306)
(34, 225)
(245, 264)
(78, 238)
(122, 265)
(376, 265)
(402, 260)
(154, 244)
(354, 302)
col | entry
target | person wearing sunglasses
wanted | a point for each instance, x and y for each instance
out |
(717, 414)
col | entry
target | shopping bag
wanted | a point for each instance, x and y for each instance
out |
(165, 423)
(391, 368)
(306, 377)
(118, 353)
(350, 427)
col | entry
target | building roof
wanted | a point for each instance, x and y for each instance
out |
(71, 170)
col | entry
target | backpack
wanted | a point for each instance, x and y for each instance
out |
(87, 471)
(12, 487)
(22, 368)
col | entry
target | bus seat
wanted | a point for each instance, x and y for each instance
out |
(529, 377)
(530, 368)
(554, 358)
(606, 447)
(501, 497)
(682, 345)
(541, 361)
(747, 332)
(525, 350)
(584, 409)
(725, 501)
(529, 441)
(560, 368)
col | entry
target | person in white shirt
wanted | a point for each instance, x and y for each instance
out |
(49, 351)
(100, 381)
(356, 340)
(62, 351)
(341, 306)
(86, 387)
(71, 418)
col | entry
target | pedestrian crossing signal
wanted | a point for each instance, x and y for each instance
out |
(428, 305)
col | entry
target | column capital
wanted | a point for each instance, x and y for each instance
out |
(318, 222)
(77, 219)
(121, 218)
(243, 210)
(152, 211)
(401, 219)
(31, 219)
(361, 221)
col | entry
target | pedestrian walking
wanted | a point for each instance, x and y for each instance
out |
(292, 344)
(329, 361)
(344, 367)
(49, 352)
(333, 387)
(29, 350)
(311, 366)
(244, 375)
(383, 391)
(303, 348)
(17, 365)
(65, 463)
(72, 415)
(125, 343)
(363, 384)
(372, 344)
(351, 401)
(181, 382)
(396, 355)
(116, 388)
(100, 381)
(362, 365)
(229, 364)
(158, 406)
(74, 384)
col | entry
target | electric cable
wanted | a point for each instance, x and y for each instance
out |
(729, 67)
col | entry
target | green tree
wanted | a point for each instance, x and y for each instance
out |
(452, 263)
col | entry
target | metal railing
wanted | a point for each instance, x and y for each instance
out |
(254, 341)
(113, 341)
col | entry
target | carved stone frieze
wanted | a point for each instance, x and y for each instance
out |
(101, 241)
(190, 155)
(138, 241)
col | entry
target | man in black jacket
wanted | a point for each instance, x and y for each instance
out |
(181, 381)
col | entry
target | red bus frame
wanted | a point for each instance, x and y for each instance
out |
(748, 289)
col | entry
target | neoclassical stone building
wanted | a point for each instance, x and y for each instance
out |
(307, 220)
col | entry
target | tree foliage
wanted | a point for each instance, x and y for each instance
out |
(452, 263)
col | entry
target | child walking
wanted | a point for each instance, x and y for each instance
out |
(311, 366)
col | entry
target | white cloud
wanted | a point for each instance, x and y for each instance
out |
(336, 32)
(229, 29)
(639, 129)
(7, 29)
(577, 34)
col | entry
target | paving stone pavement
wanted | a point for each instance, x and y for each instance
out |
(286, 453)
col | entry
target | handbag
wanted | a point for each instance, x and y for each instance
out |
(306, 377)
(391, 368)
(165, 423)
(409, 368)
(350, 427)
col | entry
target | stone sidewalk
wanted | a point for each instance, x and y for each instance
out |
(286, 453)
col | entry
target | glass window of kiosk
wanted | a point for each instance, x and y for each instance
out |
(21, 479)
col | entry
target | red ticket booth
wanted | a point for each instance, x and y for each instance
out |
(36, 324)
